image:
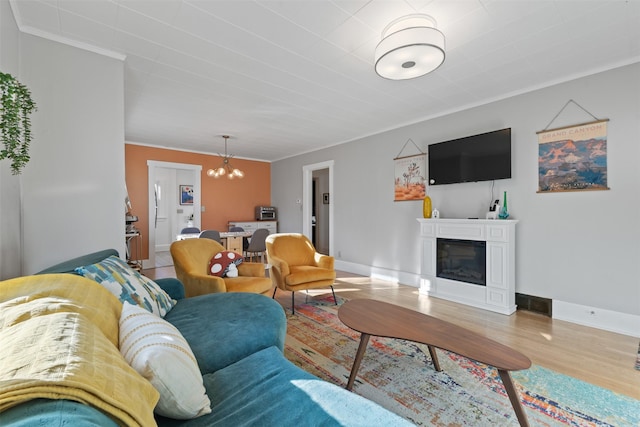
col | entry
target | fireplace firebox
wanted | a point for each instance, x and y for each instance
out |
(482, 270)
(462, 260)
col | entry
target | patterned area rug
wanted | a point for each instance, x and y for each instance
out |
(399, 375)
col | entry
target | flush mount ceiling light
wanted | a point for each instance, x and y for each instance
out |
(411, 46)
(225, 168)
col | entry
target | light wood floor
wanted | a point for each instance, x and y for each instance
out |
(598, 357)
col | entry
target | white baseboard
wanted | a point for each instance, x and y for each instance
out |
(613, 321)
(395, 276)
(351, 267)
(599, 318)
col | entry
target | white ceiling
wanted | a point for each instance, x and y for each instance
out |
(293, 76)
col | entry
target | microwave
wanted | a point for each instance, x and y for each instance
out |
(266, 213)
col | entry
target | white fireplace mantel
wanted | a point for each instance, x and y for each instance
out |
(499, 294)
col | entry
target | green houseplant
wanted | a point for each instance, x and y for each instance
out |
(15, 124)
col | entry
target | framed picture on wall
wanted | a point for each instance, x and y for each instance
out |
(186, 194)
(573, 158)
(410, 177)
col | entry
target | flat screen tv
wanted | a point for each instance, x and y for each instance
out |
(482, 157)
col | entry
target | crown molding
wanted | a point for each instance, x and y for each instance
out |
(26, 29)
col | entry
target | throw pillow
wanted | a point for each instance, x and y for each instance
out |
(128, 285)
(158, 351)
(225, 263)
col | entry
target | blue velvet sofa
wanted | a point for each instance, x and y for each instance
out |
(238, 341)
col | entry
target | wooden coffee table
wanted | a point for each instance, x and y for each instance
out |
(370, 317)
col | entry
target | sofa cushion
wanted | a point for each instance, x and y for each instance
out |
(238, 397)
(158, 352)
(237, 324)
(128, 285)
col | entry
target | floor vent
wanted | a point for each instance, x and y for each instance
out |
(535, 304)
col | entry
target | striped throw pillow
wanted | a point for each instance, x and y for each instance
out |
(158, 351)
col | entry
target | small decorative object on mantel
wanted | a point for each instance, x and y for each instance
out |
(410, 173)
(504, 213)
(494, 209)
(573, 158)
(15, 123)
(426, 207)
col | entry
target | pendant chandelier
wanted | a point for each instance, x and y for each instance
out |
(225, 168)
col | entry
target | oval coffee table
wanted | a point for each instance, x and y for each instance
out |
(371, 317)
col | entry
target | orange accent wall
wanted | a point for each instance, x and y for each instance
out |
(224, 200)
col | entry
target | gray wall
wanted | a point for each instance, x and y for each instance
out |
(73, 187)
(578, 247)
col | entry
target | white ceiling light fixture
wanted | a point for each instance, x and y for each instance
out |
(411, 46)
(225, 168)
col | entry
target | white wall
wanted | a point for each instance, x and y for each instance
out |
(73, 188)
(582, 248)
(10, 242)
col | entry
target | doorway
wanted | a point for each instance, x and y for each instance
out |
(166, 215)
(318, 212)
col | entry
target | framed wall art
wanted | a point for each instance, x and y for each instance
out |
(410, 177)
(573, 158)
(186, 194)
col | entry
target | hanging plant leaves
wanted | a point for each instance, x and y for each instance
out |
(15, 122)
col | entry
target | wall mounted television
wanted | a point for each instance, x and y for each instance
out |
(482, 157)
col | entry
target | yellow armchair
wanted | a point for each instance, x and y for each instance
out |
(295, 265)
(191, 261)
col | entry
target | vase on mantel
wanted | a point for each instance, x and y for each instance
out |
(504, 213)
(426, 207)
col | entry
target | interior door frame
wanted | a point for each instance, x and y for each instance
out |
(307, 193)
(151, 167)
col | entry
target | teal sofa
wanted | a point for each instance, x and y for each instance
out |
(238, 341)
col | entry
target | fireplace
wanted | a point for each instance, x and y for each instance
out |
(462, 260)
(470, 261)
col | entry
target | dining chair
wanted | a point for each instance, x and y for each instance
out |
(257, 245)
(211, 234)
(190, 230)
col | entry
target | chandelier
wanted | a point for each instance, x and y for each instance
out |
(225, 168)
